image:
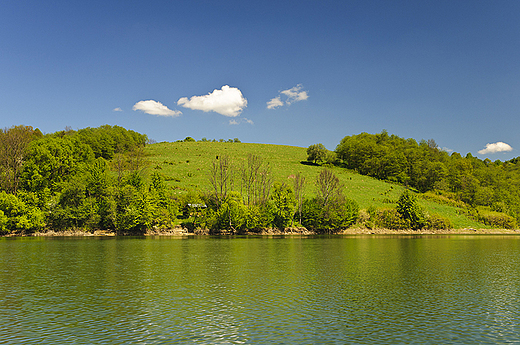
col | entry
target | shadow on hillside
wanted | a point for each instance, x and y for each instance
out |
(309, 163)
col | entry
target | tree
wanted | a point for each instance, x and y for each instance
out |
(328, 187)
(410, 210)
(15, 214)
(13, 151)
(316, 153)
(231, 215)
(256, 180)
(284, 205)
(299, 189)
(52, 160)
(221, 178)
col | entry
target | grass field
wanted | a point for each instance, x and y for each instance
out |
(186, 166)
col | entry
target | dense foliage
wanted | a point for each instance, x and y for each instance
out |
(484, 185)
(98, 178)
(262, 204)
(87, 179)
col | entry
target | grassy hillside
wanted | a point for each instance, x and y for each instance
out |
(186, 166)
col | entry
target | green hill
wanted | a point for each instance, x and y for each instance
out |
(186, 166)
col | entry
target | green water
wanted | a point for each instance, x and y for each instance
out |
(260, 290)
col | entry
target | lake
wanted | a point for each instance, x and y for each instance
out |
(260, 290)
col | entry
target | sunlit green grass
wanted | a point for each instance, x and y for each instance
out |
(186, 166)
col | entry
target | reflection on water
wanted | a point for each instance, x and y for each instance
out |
(307, 290)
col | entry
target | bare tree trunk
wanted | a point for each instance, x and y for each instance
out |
(299, 188)
(221, 178)
(256, 180)
(328, 186)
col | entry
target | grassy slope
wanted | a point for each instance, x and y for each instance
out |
(186, 166)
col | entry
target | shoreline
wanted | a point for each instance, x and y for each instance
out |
(180, 232)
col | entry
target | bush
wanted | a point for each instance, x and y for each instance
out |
(496, 219)
(389, 218)
(312, 215)
(436, 221)
(284, 204)
(410, 210)
(337, 215)
(231, 215)
(259, 216)
(17, 215)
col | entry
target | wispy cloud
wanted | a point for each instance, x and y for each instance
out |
(239, 121)
(117, 109)
(446, 149)
(227, 101)
(155, 108)
(274, 103)
(290, 96)
(495, 148)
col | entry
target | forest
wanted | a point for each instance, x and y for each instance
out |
(490, 191)
(100, 178)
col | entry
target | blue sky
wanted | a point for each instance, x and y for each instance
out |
(283, 72)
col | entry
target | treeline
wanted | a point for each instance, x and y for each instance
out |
(87, 179)
(245, 198)
(206, 140)
(489, 190)
(96, 178)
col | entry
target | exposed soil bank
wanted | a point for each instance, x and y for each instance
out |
(178, 231)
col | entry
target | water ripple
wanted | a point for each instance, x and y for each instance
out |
(260, 290)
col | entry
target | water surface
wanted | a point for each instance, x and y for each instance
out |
(276, 290)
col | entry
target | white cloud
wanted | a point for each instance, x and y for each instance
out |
(227, 101)
(239, 121)
(446, 149)
(155, 108)
(294, 94)
(117, 109)
(495, 147)
(275, 102)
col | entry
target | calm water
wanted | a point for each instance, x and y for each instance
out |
(279, 290)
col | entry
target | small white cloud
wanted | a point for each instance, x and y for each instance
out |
(275, 102)
(294, 94)
(496, 147)
(239, 121)
(446, 149)
(227, 101)
(117, 109)
(155, 108)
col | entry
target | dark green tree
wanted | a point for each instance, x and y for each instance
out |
(284, 205)
(410, 210)
(316, 153)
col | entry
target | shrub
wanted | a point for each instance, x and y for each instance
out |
(410, 210)
(284, 204)
(312, 217)
(496, 219)
(231, 215)
(340, 214)
(389, 218)
(436, 221)
(17, 215)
